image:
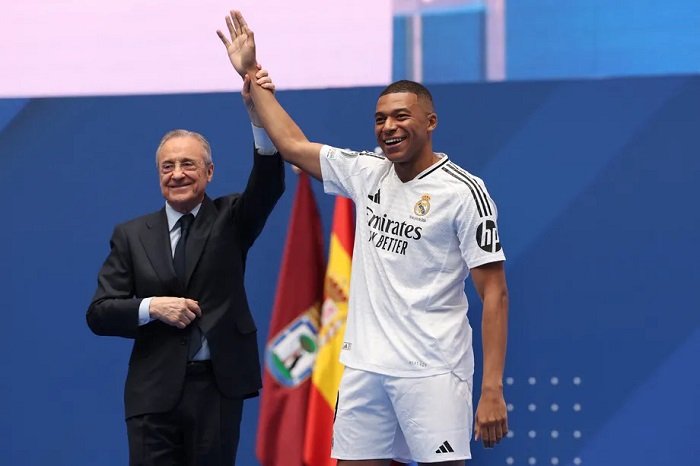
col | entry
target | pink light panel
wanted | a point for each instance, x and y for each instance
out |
(83, 47)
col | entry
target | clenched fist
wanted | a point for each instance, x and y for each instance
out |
(178, 312)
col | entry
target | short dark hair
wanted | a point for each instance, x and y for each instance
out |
(409, 86)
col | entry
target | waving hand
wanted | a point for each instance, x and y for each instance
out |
(241, 46)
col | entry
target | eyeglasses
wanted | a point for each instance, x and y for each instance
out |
(185, 166)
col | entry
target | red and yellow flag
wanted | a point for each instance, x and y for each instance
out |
(327, 371)
(291, 345)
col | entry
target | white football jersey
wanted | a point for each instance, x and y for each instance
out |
(414, 245)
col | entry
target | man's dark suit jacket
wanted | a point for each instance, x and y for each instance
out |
(140, 265)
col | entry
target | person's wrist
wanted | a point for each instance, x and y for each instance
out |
(251, 71)
(152, 309)
(492, 388)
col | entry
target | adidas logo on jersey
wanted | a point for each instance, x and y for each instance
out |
(375, 197)
(445, 448)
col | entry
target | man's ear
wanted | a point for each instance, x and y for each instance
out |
(432, 121)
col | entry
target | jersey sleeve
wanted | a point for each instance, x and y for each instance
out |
(477, 227)
(345, 171)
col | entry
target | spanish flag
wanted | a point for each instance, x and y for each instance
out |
(327, 371)
(292, 342)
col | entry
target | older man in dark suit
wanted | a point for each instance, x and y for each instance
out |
(173, 281)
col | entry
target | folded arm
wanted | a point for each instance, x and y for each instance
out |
(114, 310)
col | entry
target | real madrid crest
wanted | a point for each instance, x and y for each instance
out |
(422, 207)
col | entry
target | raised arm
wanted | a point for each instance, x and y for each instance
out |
(284, 132)
(491, 415)
(263, 79)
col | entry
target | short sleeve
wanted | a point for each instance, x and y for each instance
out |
(477, 227)
(345, 172)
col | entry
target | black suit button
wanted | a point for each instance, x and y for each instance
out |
(183, 341)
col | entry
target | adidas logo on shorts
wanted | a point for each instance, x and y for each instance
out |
(445, 448)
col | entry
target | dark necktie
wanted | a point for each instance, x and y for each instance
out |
(181, 270)
(179, 257)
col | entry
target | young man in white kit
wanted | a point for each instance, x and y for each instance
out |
(423, 225)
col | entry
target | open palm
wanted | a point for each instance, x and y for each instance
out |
(241, 46)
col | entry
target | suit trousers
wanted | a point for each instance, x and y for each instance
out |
(202, 430)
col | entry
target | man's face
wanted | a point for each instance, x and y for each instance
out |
(402, 125)
(184, 173)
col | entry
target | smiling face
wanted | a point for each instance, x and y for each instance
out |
(185, 171)
(403, 124)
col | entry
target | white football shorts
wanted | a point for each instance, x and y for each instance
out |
(423, 419)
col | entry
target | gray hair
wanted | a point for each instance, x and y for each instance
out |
(176, 133)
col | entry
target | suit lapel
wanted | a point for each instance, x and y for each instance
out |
(156, 242)
(201, 228)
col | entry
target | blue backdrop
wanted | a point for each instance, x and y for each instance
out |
(552, 39)
(596, 187)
